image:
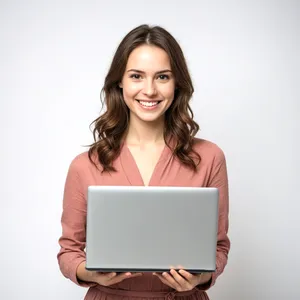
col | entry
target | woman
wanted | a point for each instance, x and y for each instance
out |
(145, 137)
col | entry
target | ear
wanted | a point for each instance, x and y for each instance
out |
(120, 85)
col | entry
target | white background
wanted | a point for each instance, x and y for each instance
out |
(244, 61)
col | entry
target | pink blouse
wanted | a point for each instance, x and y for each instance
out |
(212, 172)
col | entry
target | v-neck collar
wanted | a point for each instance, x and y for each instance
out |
(132, 171)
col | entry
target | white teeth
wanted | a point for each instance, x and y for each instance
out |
(148, 103)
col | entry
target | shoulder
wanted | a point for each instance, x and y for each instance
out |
(81, 163)
(208, 150)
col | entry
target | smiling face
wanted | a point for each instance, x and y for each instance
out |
(148, 83)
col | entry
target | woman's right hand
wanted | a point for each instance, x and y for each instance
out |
(105, 279)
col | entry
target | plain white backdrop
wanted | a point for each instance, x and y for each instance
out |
(244, 60)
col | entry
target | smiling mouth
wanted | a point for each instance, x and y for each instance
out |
(148, 103)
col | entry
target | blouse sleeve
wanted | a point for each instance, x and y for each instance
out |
(73, 220)
(219, 179)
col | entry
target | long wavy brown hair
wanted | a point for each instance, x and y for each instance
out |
(110, 128)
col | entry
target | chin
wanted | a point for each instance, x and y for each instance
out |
(151, 119)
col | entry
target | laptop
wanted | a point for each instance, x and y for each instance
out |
(151, 229)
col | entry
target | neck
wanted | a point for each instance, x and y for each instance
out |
(142, 133)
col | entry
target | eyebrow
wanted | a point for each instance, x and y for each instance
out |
(142, 72)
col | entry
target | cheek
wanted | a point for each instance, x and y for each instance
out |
(169, 92)
(130, 90)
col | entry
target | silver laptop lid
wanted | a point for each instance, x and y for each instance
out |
(150, 229)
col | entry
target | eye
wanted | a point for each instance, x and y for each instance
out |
(135, 76)
(163, 77)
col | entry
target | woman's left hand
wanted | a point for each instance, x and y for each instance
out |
(183, 280)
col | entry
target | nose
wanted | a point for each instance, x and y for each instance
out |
(149, 88)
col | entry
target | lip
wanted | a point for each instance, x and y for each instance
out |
(143, 100)
(154, 107)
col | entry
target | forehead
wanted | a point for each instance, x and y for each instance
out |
(148, 58)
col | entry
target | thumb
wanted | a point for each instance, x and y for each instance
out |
(111, 275)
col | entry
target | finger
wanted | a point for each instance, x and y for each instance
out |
(188, 276)
(118, 278)
(109, 276)
(169, 278)
(163, 280)
(184, 284)
(178, 278)
(104, 278)
(136, 275)
(123, 276)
